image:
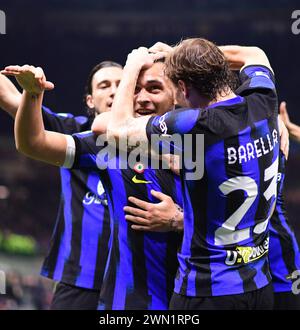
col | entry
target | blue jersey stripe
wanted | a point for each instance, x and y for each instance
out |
(65, 245)
(178, 190)
(259, 77)
(155, 252)
(277, 264)
(234, 100)
(191, 284)
(92, 226)
(184, 252)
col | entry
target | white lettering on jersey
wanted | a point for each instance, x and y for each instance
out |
(256, 149)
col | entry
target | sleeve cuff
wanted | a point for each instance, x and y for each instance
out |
(70, 152)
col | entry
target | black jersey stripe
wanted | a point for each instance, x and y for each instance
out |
(50, 261)
(78, 188)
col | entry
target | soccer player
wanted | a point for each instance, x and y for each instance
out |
(284, 255)
(141, 267)
(79, 245)
(284, 249)
(223, 261)
(144, 91)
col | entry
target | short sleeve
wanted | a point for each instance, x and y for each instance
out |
(256, 77)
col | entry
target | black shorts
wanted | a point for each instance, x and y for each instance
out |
(286, 301)
(69, 297)
(261, 299)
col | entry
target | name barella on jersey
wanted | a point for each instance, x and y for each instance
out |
(284, 255)
(79, 244)
(142, 265)
(226, 212)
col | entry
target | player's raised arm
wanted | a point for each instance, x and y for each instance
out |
(10, 97)
(30, 136)
(294, 130)
(284, 137)
(240, 56)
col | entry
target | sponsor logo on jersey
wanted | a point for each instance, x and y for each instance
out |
(246, 254)
(99, 198)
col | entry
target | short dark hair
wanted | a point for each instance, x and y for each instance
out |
(88, 86)
(202, 65)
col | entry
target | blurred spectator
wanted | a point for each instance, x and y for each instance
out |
(26, 292)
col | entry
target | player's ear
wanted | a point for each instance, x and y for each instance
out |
(183, 88)
(90, 101)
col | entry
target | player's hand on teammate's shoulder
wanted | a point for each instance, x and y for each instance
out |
(31, 79)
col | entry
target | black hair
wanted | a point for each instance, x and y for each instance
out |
(88, 86)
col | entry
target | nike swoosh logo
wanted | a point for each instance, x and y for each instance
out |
(135, 180)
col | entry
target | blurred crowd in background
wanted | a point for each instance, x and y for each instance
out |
(26, 292)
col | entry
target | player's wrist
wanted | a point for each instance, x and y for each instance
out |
(132, 68)
(33, 94)
(176, 222)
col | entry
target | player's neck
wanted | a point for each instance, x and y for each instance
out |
(223, 96)
(196, 100)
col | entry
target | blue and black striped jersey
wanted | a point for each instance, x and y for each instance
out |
(226, 212)
(79, 244)
(142, 265)
(284, 255)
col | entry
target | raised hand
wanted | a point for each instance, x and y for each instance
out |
(141, 58)
(294, 130)
(160, 48)
(31, 79)
(284, 114)
(284, 137)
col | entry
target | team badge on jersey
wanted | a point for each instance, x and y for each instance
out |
(139, 168)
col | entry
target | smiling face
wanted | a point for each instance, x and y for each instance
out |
(104, 86)
(154, 92)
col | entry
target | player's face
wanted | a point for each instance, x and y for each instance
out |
(104, 85)
(154, 93)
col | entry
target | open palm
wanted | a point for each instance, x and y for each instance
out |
(31, 79)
